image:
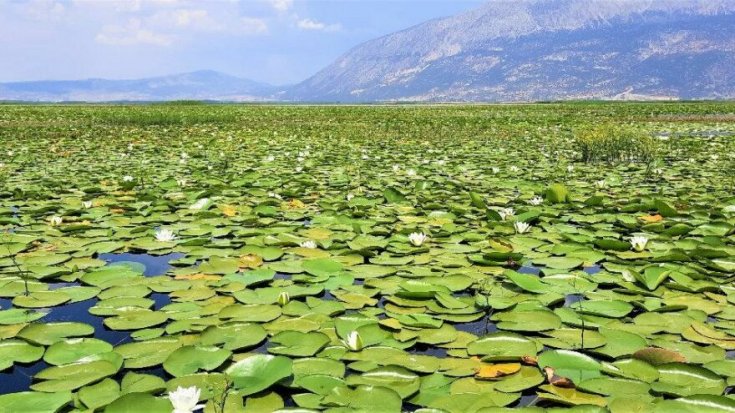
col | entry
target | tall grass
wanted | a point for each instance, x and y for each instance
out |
(615, 143)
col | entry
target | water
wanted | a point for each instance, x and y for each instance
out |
(527, 269)
(479, 328)
(570, 299)
(593, 269)
(20, 376)
(427, 350)
(154, 264)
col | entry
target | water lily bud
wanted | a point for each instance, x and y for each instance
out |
(353, 341)
(283, 298)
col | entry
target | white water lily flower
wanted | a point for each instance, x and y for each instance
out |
(56, 220)
(283, 298)
(417, 238)
(270, 158)
(365, 157)
(570, 168)
(514, 168)
(274, 195)
(128, 178)
(184, 399)
(396, 168)
(308, 244)
(181, 182)
(537, 200)
(165, 235)
(299, 169)
(353, 341)
(506, 213)
(10, 154)
(639, 243)
(349, 197)
(410, 172)
(441, 162)
(600, 184)
(521, 227)
(495, 169)
(658, 171)
(184, 155)
(199, 204)
(87, 204)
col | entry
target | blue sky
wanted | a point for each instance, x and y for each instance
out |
(275, 41)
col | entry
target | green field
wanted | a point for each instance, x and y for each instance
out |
(264, 255)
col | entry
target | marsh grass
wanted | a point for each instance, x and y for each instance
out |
(184, 115)
(615, 143)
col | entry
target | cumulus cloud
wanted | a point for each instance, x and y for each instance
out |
(132, 33)
(310, 24)
(281, 5)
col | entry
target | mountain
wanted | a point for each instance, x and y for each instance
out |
(530, 50)
(205, 84)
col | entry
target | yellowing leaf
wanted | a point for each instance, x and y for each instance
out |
(198, 276)
(650, 219)
(250, 261)
(494, 371)
(293, 204)
(317, 234)
(228, 210)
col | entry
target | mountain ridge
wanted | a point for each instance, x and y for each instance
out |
(200, 84)
(432, 60)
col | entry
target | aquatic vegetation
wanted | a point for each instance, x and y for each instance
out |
(417, 238)
(185, 399)
(381, 258)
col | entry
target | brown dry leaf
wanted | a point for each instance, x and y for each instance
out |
(494, 371)
(555, 380)
(657, 356)
(229, 211)
(529, 360)
(198, 276)
(117, 210)
(250, 261)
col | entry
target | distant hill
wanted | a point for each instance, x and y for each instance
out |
(529, 50)
(205, 85)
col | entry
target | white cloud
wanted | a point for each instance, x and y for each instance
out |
(310, 24)
(44, 9)
(133, 33)
(252, 25)
(281, 5)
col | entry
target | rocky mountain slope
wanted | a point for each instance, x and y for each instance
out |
(528, 50)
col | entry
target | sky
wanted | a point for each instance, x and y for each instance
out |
(273, 41)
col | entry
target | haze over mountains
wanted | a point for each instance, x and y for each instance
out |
(526, 50)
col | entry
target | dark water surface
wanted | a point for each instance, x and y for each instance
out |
(20, 376)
